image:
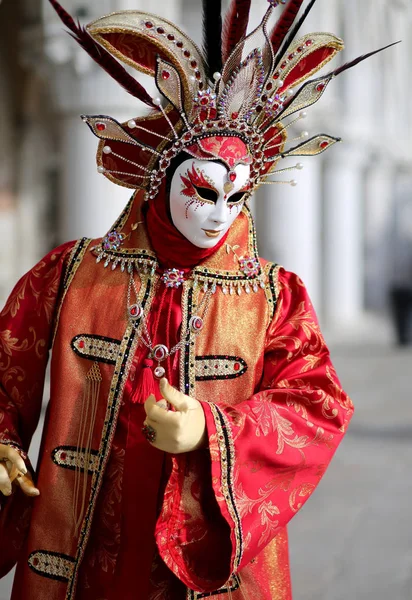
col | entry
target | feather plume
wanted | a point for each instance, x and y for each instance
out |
(360, 59)
(284, 24)
(212, 36)
(293, 32)
(102, 57)
(235, 25)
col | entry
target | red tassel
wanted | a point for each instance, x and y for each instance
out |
(145, 384)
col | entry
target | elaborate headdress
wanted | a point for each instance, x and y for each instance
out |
(241, 87)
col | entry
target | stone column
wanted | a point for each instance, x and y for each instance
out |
(343, 238)
(289, 225)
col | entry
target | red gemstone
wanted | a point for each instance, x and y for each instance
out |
(269, 86)
(160, 30)
(179, 44)
(221, 124)
(291, 56)
(63, 456)
(81, 344)
(259, 109)
(276, 76)
(284, 65)
(186, 53)
(201, 85)
(258, 154)
(171, 37)
(149, 24)
(35, 561)
(309, 43)
(324, 145)
(198, 129)
(236, 366)
(100, 126)
(198, 74)
(133, 311)
(232, 176)
(235, 115)
(300, 49)
(204, 101)
(187, 137)
(165, 75)
(320, 87)
(193, 64)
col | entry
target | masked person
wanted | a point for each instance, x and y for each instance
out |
(194, 407)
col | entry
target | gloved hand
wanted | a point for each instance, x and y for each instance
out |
(13, 470)
(182, 430)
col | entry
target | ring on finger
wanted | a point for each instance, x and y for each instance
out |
(149, 433)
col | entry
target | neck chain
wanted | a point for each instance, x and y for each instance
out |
(161, 352)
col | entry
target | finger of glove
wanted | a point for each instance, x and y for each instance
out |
(27, 485)
(5, 483)
(160, 415)
(14, 457)
(173, 396)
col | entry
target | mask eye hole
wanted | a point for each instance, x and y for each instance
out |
(237, 198)
(206, 194)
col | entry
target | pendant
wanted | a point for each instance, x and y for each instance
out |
(135, 312)
(159, 372)
(196, 324)
(160, 352)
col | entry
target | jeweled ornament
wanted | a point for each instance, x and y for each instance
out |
(113, 241)
(249, 266)
(173, 278)
(196, 324)
(135, 312)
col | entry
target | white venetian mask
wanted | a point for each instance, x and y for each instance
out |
(204, 202)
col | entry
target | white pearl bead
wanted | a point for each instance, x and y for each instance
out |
(132, 124)
(293, 183)
(157, 101)
(280, 83)
(299, 166)
(217, 76)
(192, 78)
(304, 134)
(303, 115)
(290, 92)
(107, 150)
(101, 169)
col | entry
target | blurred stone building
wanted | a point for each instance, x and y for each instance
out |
(346, 228)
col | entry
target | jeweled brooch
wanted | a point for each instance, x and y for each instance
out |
(249, 266)
(113, 241)
(173, 278)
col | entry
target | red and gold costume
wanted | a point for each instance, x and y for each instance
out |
(117, 518)
(277, 416)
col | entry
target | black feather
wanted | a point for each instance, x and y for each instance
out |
(212, 36)
(360, 59)
(293, 32)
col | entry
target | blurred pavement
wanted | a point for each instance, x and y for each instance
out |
(353, 539)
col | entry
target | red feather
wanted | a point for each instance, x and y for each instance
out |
(284, 24)
(103, 58)
(235, 25)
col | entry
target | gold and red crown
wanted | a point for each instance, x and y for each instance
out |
(235, 101)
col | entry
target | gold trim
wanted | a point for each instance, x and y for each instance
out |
(68, 281)
(321, 40)
(110, 425)
(227, 477)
